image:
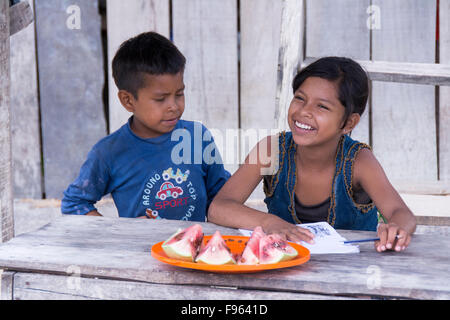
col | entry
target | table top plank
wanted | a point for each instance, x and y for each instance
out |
(119, 248)
(31, 286)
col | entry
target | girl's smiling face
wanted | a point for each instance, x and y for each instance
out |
(316, 115)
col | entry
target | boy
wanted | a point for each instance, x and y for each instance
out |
(141, 164)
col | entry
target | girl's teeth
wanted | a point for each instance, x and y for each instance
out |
(303, 126)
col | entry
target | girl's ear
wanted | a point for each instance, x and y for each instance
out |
(351, 123)
(127, 100)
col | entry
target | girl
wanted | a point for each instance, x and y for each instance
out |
(322, 174)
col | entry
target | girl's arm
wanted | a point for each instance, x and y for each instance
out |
(370, 176)
(228, 207)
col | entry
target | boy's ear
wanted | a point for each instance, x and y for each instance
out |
(351, 123)
(127, 100)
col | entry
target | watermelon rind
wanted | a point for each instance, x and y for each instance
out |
(273, 249)
(187, 246)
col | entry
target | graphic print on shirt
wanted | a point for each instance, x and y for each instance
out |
(169, 194)
(179, 176)
(168, 190)
(152, 214)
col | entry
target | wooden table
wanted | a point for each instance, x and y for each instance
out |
(109, 258)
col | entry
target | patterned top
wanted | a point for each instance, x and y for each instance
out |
(343, 211)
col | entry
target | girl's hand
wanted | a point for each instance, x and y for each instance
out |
(288, 231)
(392, 237)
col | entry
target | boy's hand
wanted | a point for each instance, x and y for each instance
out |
(288, 231)
(94, 213)
(392, 237)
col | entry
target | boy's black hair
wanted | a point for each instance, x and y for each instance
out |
(349, 76)
(147, 53)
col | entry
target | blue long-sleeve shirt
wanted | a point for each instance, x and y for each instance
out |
(173, 176)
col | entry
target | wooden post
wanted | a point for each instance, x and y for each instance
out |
(25, 124)
(444, 93)
(290, 57)
(21, 16)
(6, 198)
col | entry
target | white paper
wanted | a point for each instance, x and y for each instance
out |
(326, 239)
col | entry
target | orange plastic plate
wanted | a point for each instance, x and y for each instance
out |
(236, 245)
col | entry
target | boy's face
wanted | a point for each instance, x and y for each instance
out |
(159, 105)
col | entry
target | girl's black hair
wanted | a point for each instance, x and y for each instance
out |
(349, 76)
(147, 53)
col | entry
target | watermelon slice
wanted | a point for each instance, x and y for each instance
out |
(273, 249)
(215, 252)
(250, 255)
(184, 244)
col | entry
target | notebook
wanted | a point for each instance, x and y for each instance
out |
(326, 239)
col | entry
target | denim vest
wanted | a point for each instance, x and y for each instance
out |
(343, 213)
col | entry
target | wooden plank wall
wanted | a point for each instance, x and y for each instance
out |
(126, 19)
(404, 123)
(231, 78)
(400, 121)
(260, 22)
(70, 66)
(206, 32)
(260, 26)
(327, 34)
